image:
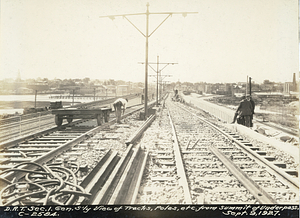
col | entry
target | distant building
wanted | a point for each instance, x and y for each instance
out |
(295, 83)
(286, 87)
(200, 88)
(111, 90)
(122, 90)
(208, 89)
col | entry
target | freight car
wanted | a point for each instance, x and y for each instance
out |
(101, 114)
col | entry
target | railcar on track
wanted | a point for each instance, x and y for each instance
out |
(101, 114)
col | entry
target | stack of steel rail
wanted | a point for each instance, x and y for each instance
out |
(62, 165)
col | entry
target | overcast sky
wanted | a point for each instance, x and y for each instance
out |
(224, 42)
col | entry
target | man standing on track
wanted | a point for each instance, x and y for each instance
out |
(245, 110)
(119, 106)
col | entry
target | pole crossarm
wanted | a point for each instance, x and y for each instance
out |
(146, 35)
(152, 68)
(112, 17)
(166, 64)
(155, 63)
(122, 15)
(135, 26)
(160, 24)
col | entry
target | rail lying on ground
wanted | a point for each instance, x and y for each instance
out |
(61, 150)
(182, 157)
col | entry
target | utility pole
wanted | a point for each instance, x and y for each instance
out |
(247, 86)
(158, 74)
(147, 35)
(250, 86)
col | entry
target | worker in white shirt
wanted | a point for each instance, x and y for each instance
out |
(119, 106)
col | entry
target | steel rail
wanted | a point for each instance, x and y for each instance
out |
(140, 130)
(103, 196)
(134, 170)
(98, 176)
(121, 192)
(283, 175)
(64, 147)
(13, 119)
(139, 178)
(131, 177)
(24, 132)
(23, 122)
(258, 192)
(13, 143)
(179, 164)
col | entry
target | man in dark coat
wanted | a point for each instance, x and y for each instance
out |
(244, 110)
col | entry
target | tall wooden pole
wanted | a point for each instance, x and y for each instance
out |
(146, 65)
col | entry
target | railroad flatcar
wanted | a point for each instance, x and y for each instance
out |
(101, 114)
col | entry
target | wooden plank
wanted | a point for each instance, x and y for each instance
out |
(51, 142)
(57, 138)
(164, 169)
(167, 162)
(158, 178)
(38, 145)
(164, 157)
(29, 149)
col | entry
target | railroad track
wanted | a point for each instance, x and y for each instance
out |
(24, 125)
(214, 166)
(14, 130)
(182, 156)
(63, 160)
